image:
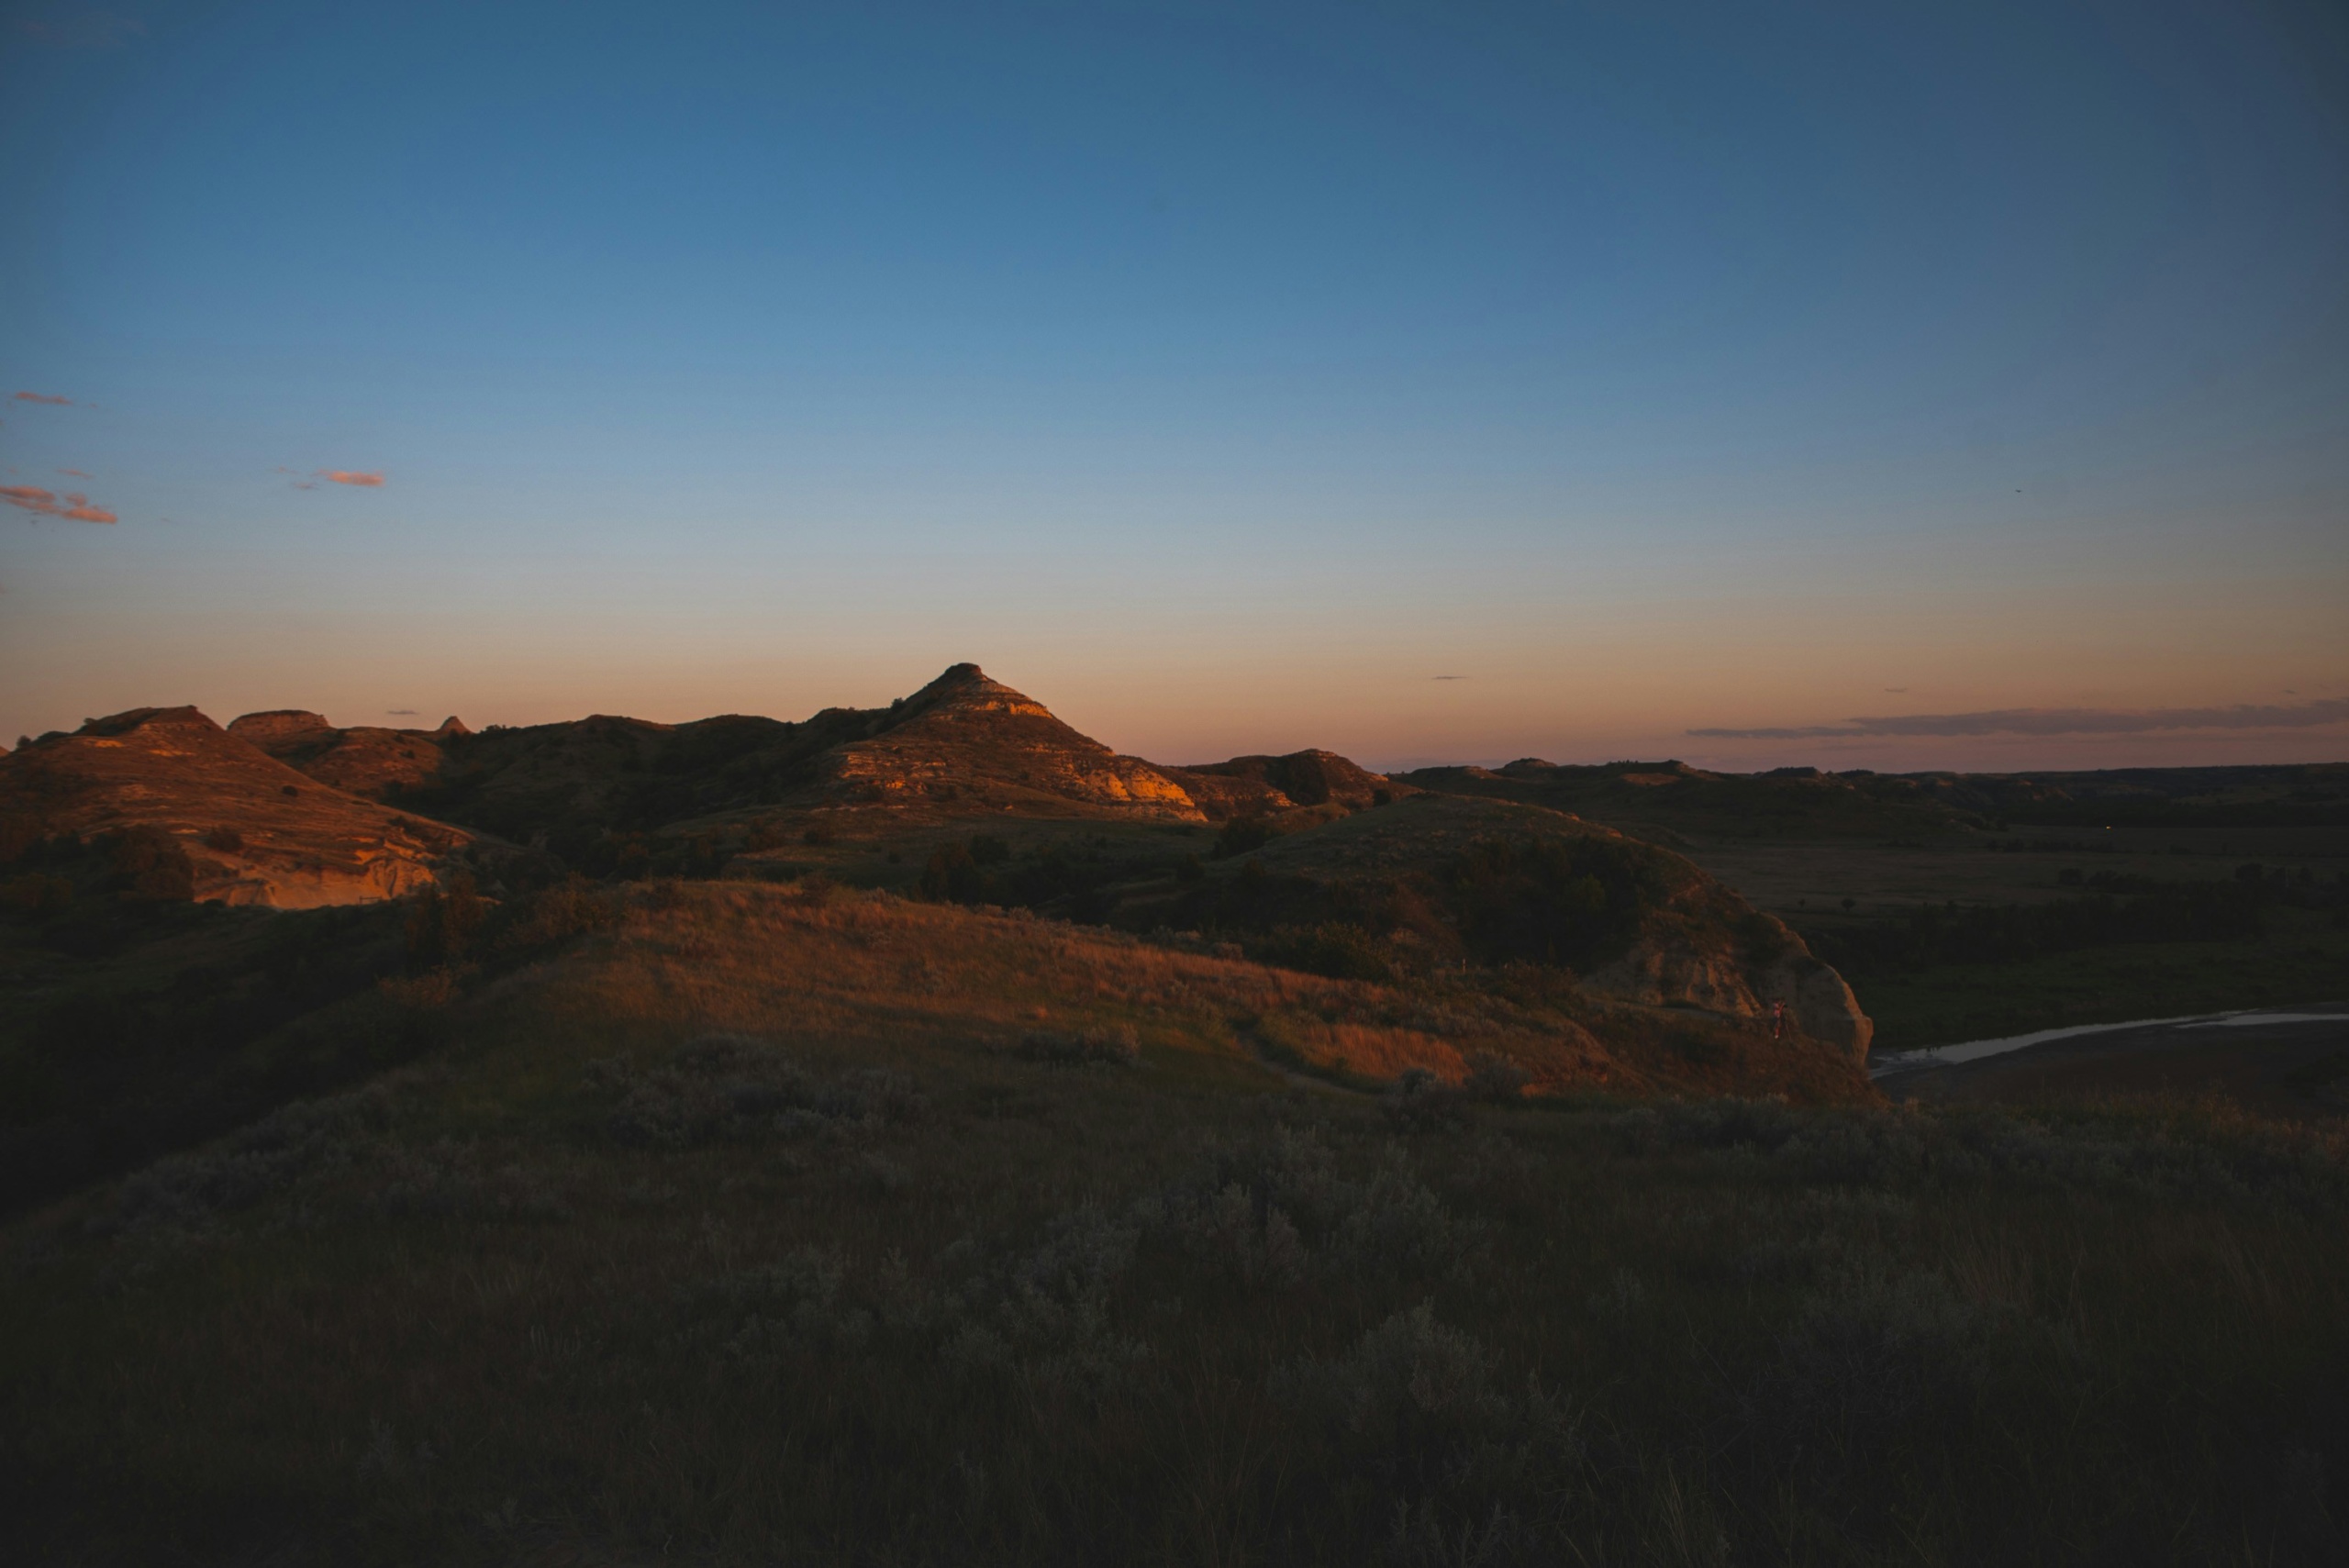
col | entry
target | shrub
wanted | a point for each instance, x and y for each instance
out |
(1559, 901)
(1495, 1078)
(1871, 1353)
(731, 1088)
(37, 896)
(1341, 951)
(185, 1190)
(152, 864)
(1419, 1101)
(1242, 834)
(569, 908)
(1234, 1233)
(444, 919)
(1117, 1046)
(1409, 1378)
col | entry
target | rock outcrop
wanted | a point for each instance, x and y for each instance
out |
(964, 735)
(1717, 977)
(253, 831)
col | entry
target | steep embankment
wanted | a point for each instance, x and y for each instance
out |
(236, 825)
(1497, 882)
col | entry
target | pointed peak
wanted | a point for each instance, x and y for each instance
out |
(954, 678)
(967, 688)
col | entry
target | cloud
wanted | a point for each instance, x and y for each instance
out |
(43, 398)
(77, 473)
(400, 713)
(2060, 721)
(346, 476)
(1447, 677)
(44, 503)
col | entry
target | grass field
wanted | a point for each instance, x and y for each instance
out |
(2302, 956)
(777, 1225)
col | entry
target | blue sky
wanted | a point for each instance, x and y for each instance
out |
(1221, 375)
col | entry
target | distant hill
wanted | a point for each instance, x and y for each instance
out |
(363, 760)
(215, 817)
(1260, 786)
(966, 791)
(2306, 794)
(1672, 796)
(964, 746)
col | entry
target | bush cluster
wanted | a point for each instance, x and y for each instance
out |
(732, 1089)
(1119, 1046)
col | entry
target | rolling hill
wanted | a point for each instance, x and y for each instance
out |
(220, 820)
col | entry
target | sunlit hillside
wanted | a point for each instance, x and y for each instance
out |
(757, 1222)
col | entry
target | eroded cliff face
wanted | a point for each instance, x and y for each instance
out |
(1720, 979)
(967, 738)
(254, 831)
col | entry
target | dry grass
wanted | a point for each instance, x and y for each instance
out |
(842, 971)
(871, 1285)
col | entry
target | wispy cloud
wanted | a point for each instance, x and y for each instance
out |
(2059, 721)
(48, 504)
(348, 476)
(43, 398)
(1447, 677)
(77, 473)
(400, 713)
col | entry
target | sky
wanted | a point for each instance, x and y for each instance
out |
(1913, 386)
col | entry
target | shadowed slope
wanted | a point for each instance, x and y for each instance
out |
(362, 759)
(1446, 878)
(1263, 786)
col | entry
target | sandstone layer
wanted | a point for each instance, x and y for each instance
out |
(254, 829)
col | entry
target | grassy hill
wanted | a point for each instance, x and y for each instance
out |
(211, 817)
(790, 1222)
